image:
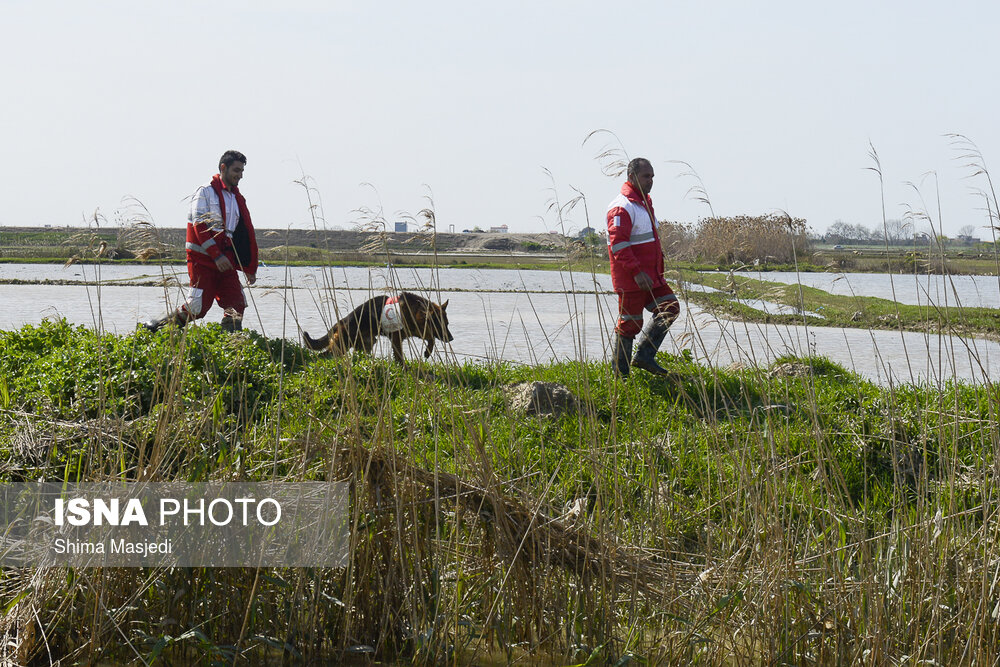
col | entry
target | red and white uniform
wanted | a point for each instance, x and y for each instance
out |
(218, 224)
(633, 242)
(633, 247)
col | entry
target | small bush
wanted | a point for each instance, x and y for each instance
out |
(738, 239)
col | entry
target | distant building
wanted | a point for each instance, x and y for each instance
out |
(968, 239)
(401, 227)
(502, 229)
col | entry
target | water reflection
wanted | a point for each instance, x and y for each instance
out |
(536, 321)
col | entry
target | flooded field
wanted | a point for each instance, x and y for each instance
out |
(519, 316)
(969, 291)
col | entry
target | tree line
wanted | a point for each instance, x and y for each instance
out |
(892, 232)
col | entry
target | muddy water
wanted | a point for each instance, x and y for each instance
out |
(520, 316)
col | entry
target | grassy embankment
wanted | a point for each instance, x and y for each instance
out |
(34, 245)
(299, 256)
(141, 243)
(789, 515)
(956, 260)
(311, 257)
(835, 310)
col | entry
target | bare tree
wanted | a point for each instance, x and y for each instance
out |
(843, 232)
(897, 231)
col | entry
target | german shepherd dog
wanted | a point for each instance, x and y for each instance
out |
(406, 316)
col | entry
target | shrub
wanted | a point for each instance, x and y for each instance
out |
(767, 238)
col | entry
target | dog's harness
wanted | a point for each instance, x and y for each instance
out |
(392, 319)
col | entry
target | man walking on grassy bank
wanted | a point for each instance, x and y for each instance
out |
(637, 273)
(220, 240)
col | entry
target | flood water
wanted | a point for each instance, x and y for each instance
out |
(938, 290)
(495, 314)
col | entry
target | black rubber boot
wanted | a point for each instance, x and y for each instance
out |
(622, 352)
(232, 321)
(177, 317)
(653, 335)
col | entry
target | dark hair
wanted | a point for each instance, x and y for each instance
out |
(635, 164)
(230, 157)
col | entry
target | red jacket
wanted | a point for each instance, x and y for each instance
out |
(633, 241)
(206, 238)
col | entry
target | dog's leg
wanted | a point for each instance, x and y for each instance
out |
(366, 343)
(397, 347)
(430, 347)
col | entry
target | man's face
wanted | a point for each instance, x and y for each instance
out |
(643, 178)
(232, 174)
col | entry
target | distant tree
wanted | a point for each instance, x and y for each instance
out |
(838, 232)
(925, 230)
(897, 231)
(863, 234)
(843, 232)
(590, 238)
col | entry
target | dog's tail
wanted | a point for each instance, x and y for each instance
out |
(316, 343)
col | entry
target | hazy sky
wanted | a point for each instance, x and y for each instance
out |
(772, 103)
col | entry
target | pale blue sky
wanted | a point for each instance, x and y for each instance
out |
(772, 103)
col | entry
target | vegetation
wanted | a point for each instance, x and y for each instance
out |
(897, 232)
(817, 307)
(138, 238)
(872, 259)
(739, 239)
(793, 514)
(765, 242)
(789, 514)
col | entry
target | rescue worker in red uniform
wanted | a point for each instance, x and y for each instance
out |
(637, 273)
(220, 241)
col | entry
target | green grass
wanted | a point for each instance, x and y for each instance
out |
(836, 310)
(48, 237)
(427, 260)
(956, 260)
(792, 514)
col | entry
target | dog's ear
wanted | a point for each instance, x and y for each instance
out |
(445, 304)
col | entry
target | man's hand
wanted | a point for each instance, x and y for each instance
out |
(643, 281)
(251, 278)
(223, 264)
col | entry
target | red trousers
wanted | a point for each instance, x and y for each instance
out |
(631, 304)
(209, 284)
